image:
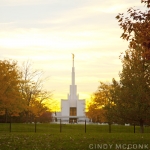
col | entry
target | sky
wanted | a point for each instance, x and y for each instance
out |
(47, 32)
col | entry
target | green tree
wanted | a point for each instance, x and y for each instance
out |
(133, 102)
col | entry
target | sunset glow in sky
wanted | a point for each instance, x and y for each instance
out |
(48, 31)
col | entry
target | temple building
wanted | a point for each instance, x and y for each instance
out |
(72, 108)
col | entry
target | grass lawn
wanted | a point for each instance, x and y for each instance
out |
(72, 137)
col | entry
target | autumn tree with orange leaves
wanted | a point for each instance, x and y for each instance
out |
(32, 92)
(11, 102)
(136, 28)
(95, 112)
(100, 108)
(21, 92)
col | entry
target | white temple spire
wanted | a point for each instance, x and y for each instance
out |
(73, 71)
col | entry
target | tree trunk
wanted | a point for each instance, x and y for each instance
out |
(142, 126)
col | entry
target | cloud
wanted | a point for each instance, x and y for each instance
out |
(24, 2)
(47, 32)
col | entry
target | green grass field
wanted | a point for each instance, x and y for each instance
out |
(72, 137)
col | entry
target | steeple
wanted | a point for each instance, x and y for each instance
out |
(73, 71)
(73, 88)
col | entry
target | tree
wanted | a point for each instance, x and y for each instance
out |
(102, 104)
(38, 105)
(46, 117)
(136, 28)
(134, 99)
(32, 92)
(95, 112)
(133, 103)
(11, 102)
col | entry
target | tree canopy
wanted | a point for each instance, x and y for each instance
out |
(21, 91)
(128, 100)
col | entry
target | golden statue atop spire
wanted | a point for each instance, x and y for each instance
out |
(72, 56)
(73, 59)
